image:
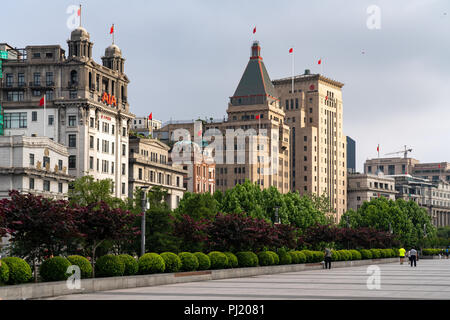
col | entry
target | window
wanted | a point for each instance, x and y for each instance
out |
(50, 120)
(178, 181)
(98, 165)
(9, 80)
(91, 163)
(46, 185)
(36, 93)
(49, 78)
(15, 120)
(46, 162)
(369, 169)
(124, 150)
(73, 77)
(123, 169)
(49, 95)
(123, 187)
(14, 96)
(72, 140)
(31, 185)
(112, 167)
(34, 116)
(21, 79)
(49, 55)
(124, 131)
(72, 121)
(73, 94)
(60, 165)
(98, 144)
(112, 129)
(37, 79)
(31, 159)
(91, 142)
(140, 174)
(91, 122)
(36, 55)
(112, 147)
(60, 187)
(72, 162)
(105, 166)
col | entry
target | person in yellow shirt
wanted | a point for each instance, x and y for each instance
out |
(401, 253)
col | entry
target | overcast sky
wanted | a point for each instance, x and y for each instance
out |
(185, 58)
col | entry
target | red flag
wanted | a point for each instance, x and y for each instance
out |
(79, 12)
(112, 30)
(326, 98)
(257, 117)
(42, 101)
(439, 166)
(320, 61)
(150, 117)
(199, 133)
(378, 148)
(291, 50)
(254, 30)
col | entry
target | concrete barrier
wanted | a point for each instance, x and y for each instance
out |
(55, 289)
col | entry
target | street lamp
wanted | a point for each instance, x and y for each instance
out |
(144, 205)
(277, 219)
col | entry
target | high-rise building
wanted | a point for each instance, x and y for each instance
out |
(351, 155)
(86, 105)
(314, 112)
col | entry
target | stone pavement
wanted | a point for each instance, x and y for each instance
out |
(429, 280)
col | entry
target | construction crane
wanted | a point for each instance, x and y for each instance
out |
(405, 152)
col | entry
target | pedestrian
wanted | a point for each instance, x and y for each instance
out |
(401, 253)
(413, 253)
(446, 252)
(327, 258)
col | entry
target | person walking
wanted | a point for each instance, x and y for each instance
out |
(401, 253)
(413, 253)
(446, 252)
(327, 258)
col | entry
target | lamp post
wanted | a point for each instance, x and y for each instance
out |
(277, 219)
(144, 206)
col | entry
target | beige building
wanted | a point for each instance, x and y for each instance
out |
(314, 113)
(390, 166)
(149, 166)
(365, 187)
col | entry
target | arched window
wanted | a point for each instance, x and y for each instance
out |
(90, 80)
(73, 76)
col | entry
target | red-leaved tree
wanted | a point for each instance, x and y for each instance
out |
(192, 234)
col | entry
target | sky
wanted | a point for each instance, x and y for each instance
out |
(185, 58)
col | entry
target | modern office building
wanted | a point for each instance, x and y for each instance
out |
(86, 107)
(366, 187)
(351, 155)
(318, 153)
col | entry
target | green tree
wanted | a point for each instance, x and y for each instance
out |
(198, 205)
(85, 191)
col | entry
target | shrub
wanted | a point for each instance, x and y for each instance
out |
(276, 258)
(171, 261)
(265, 258)
(345, 255)
(232, 260)
(285, 257)
(204, 263)
(4, 273)
(301, 257)
(131, 265)
(19, 270)
(356, 255)
(189, 261)
(247, 259)
(84, 265)
(366, 254)
(219, 260)
(318, 256)
(384, 253)
(109, 266)
(309, 256)
(294, 257)
(151, 263)
(396, 252)
(335, 256)
(54, 269)
(376, 253)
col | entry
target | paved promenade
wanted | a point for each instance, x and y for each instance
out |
(429, 280)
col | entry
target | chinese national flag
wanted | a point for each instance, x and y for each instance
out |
(439, 166)
(112, 30)
(257, 117)
(378, 148)
(150, 117)
(320, 61)
(291, 50)
(254, 30)
(42, 102)
(79, 12)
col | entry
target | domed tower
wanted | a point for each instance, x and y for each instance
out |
(113, 58)
(80, 44)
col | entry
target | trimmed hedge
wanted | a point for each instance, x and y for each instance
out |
(294, 257)
(356, 255)
(189, 261)
(335, 256)
(204, 263)
(376, 253)
(276, 258)
(285, 257)
(151, 263)
(366, 254)
(247, 259)
(318, 256)
(433, 252)
(109, 266)
(84, 265)
(309, 255)
(171, 261)
(265, 259)
(19, 270)
(232, 260)
(219, 260)
(345, 255)
(4, 272)
(54, 269)
(131, 265)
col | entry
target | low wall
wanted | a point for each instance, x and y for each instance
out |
(55, 289)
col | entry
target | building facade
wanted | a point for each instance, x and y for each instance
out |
(366, 187)
(86, 105)
(314, 112)
(35, 165)
(351, 155)
(390, 166)
(145, 126)
(149, 166)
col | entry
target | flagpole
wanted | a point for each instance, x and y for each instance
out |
(113, 33)
(45, 114)
(293, 72)
(80, 14)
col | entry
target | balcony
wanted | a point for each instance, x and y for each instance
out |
(72, 84)
(13, 85)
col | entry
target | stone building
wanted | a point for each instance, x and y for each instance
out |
(390, 166)
(149, 166)
(86, 110)
(366, 187)
(314, 113)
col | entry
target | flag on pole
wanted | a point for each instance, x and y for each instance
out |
(291, 50)
(320, 61)
(254, 30)
(42, 102)
(150, 117)
(112, 29)
(378, 148)
(257, 117)
(79, 11)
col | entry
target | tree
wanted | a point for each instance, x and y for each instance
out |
(38, 226)
(98, 222)
(85, 191)
(191, 233)
(198, 205)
